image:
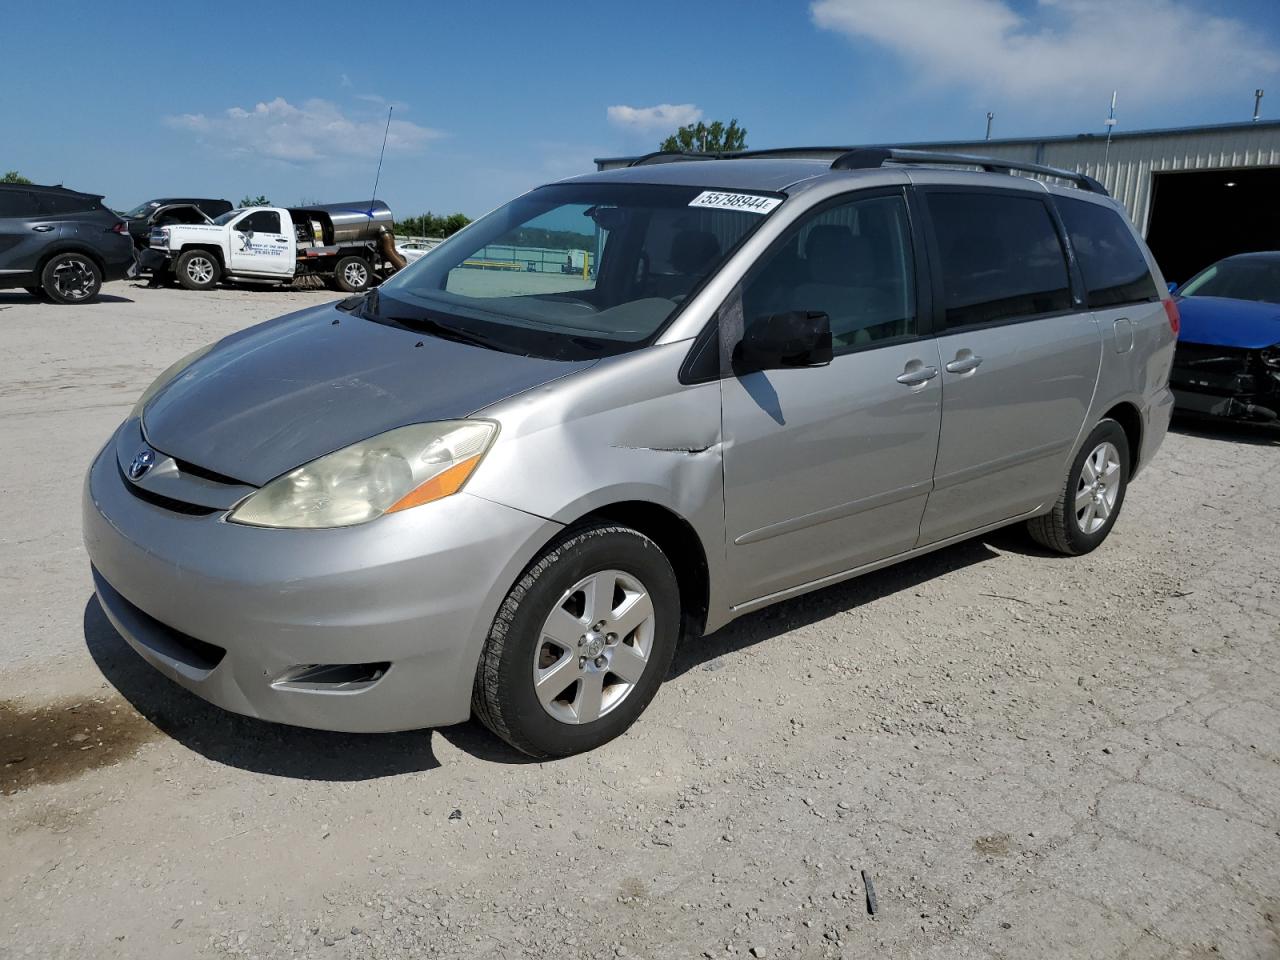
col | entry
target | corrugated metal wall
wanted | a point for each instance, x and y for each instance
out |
(1126, 170)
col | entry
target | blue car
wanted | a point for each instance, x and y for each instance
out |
(1228, 357)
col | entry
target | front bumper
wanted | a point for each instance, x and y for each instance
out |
(1225, 382)
(230, 611)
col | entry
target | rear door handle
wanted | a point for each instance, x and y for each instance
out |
(914, 376)
(964, 364)
(42, 228)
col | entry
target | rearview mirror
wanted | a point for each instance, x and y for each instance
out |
(1173, 286)
(798, 338)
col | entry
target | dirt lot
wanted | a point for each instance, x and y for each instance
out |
(1030, 756)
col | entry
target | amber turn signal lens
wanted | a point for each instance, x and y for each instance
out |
(441, 485)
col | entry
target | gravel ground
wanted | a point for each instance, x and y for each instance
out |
(1030, 756)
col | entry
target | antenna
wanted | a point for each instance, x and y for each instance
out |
(990, 116)
(1110, 124)
(1257, 104)
(381, 153)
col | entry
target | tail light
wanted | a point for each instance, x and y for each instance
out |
(1171, 311)
(120, 227)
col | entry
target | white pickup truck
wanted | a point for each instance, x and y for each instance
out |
(349, 245)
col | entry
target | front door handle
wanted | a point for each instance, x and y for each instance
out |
(964, 364)
(42, 228)
(916, 374)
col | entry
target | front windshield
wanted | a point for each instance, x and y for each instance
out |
(227, 217)
(599, 265)
(141, 210)
(1244, 279)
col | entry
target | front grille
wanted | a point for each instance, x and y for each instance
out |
(186, 466)
(165, 503)
(1205, 367)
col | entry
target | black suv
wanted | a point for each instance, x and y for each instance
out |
(60, 243)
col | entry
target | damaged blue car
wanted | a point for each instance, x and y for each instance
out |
(1227, 362)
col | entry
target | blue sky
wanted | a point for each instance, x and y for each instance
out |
(492, 98)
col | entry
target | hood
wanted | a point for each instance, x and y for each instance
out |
(278, 395)
(1219, 322)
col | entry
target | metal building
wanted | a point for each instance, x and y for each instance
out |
(1196, 193)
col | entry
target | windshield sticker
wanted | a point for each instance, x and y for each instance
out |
(746, 202)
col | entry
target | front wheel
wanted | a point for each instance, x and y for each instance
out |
(71, 278)
(1090, 502)
(581, 643)
(351, 274)
(197, 270)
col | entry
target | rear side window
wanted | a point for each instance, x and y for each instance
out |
(53, 204)
(1115, 271)
(1001, 257)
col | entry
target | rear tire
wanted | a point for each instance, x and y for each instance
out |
(352, 274)
(581, 643)
(70, 278)
(197, 270)
(1091, 499)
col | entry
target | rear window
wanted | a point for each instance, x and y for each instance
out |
(17, 203)
(1115, 271)
(1001, 257)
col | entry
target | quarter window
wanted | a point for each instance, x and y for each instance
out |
(852, 262)
(1001, 257)
(1115, 271)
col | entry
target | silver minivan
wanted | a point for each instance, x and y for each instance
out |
(624, 409)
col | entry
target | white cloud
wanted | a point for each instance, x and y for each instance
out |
(315, 131)
(665, 117)
(1064, 50)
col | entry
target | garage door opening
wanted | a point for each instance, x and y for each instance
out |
(1200, 217)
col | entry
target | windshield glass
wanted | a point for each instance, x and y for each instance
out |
(1246, 279)
(575, 269)
(141, 210)
(227, 217)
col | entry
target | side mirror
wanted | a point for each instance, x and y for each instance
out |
(799, 338)
(1173, 286)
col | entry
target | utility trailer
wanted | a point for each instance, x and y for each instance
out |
(349, 245)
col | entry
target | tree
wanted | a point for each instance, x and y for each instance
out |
(700, 137)
(13, 176)
(259, 201)
(430, 225)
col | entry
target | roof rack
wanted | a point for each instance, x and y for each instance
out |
(863, 158)
(869, 158)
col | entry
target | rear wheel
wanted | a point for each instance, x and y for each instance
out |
(1090, 502)
(197, 270)
(351, 274)
(70, 278)
(581, 644)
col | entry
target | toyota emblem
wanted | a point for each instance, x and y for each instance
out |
(142, 462)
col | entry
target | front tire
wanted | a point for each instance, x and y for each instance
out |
(352, 274)
(71, 278)
(1090, 502)
(197, 270)
(581, 643)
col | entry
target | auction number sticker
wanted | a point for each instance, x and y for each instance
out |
(746, 202)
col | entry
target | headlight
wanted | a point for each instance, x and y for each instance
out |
(170, 374)
(396, 470)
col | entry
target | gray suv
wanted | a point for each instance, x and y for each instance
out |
(620, 410)
(60, 243)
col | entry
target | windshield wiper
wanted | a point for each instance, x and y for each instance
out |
(445, 332)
